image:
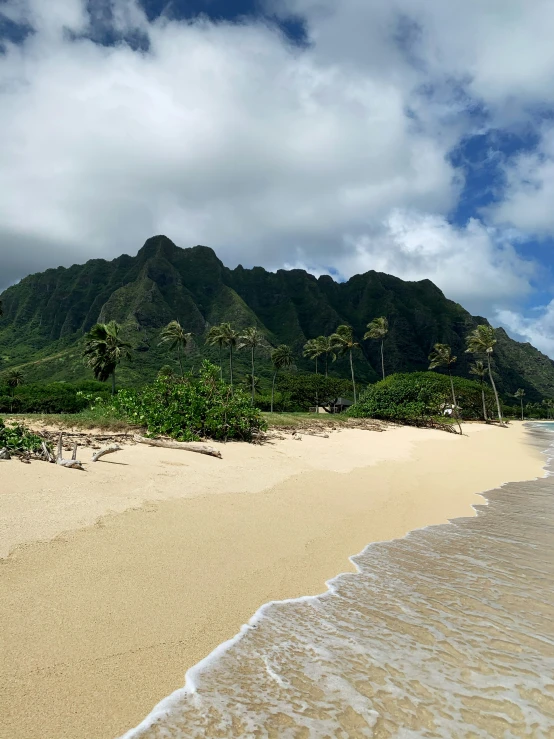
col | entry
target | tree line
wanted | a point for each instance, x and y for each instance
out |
(105, 349)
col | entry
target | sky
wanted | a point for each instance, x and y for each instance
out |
(414, 137)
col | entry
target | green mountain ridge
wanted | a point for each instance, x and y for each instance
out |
(47, 314)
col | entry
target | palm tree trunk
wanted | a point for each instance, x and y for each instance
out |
(231, 363)
(326, 363)
(522, 409)
(484, 403)
(494, 388)
(252, 375)
(113, 381)
(180, 362)
(352, 373)
(273, 389)
(382, 359)
(455, 407)
(221, 361)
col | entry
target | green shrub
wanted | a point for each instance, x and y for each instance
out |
(299, 392)
(17, 438)
(417, 396)
(191, 408)
(54, 397)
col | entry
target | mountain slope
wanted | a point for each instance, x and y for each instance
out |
(47, 314)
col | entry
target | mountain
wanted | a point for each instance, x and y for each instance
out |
(47, 314)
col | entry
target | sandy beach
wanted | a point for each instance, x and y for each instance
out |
(115, 581)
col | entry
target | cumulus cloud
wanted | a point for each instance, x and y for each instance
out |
(333, 156)
(529, 192)
(474, 265)
(221, 134)
(537, 329)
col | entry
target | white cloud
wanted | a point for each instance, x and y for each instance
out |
(474, 265)
(537, 330)
(529, 193)
(222, 134)
(334, 156)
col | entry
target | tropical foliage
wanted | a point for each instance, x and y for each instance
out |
(442, 356)
(191, 408)
(420, 397)
(175, 337)
(482, 340)
(343, 342)
(17, 438)
(282, 359)
(251, 338)
(104, 350)
(378, 328)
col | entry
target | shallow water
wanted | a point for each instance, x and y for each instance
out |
(448, 632)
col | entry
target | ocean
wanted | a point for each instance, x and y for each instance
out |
(448, 632)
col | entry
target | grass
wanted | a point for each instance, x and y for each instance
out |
(318, 420)
(85, 420)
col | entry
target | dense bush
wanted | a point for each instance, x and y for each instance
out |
(419, 395)
(54, 397)
(16, 438)
(299, 392)
(191, 408)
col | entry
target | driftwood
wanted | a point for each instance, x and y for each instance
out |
(46, 452)
(72, 463)
(187, 446)
(108, 450)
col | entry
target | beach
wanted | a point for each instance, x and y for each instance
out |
(115, 581)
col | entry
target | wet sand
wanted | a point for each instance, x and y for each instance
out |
(99, 623)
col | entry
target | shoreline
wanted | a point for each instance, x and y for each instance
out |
(287, 540)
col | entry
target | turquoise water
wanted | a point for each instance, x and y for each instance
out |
(448, 632)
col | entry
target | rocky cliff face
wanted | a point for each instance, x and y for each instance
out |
(47, 314)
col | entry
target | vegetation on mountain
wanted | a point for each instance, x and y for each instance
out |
(378, 328)
(442, 356)
(47, 316)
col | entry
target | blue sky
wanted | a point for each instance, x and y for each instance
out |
(414, 137)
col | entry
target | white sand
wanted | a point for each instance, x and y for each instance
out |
(97, 624)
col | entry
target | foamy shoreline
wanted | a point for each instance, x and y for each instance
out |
(103, 622)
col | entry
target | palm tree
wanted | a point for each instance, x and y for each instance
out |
(281, 358)
(14, 379)
(230, 339)
(481, 341)
(343, 342)
(313, 349)
(520, 393)
(174, 335)
(378, 329)
(479, 370)
(251, 338)
(216, 336)
(441, 356)
(327, 350)
(252, 382)
(104, 350)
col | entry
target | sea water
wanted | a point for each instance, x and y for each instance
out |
(448, 632)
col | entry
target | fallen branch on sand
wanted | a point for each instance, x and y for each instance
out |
(187, 446)
(108, 450)
(72, 463)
